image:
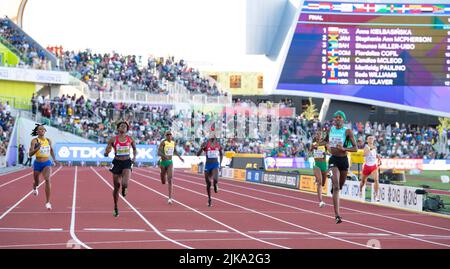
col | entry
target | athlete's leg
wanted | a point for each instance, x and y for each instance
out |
(215, 176)
(335, 180)
(208, 183)
(126, 173)
(116, 179)
(342, 177)
(46, 173)
(376, 182)
(169, 171)
(36, 180)
(318, 175)
(163, 174)
(362, 183)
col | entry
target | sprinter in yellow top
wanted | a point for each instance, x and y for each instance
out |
(166, 150)
(42, 147)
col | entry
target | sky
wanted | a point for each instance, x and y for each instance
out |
(205, 32)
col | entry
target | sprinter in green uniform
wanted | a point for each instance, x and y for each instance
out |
(339, 139)
(166, 150)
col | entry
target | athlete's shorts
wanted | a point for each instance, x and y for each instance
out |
(323, 166)
(340, 162)
(119, 165)
(165, 163)
(210, 166)
(367, 170)
(39, 166)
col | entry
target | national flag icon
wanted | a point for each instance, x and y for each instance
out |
(369, 7)
(438, 8)
(333, 52)
(427, 8)
(313, 6)
(332, 81)
(344, 7)
(326, 6)
(333, 44)
(400, 8)
(333, 59)
(332, 66)
(333, 73)
(382, 9)
(358, 8)
(333, 37)
(333, 30)
(415, 8)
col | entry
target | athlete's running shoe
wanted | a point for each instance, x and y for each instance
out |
(209, 202)
(169, 201)
(48, 206)
(338, 219)
(124, 191)
(216, 188)
(35, 192)
(116, 212)
(321, 204)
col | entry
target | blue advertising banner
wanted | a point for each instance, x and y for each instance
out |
(253, 175)
(66, 152)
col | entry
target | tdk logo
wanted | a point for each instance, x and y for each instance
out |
(86, 153)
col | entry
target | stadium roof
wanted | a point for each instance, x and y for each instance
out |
(13, 9)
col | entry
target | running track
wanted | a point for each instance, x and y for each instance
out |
(243, 216)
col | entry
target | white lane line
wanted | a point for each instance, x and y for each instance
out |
(342, 207)
(26, 196)
(280, 232)
(319, 214)
(140, 215)
(266, 215)
(9, 182)
(32, 229)
(196, 231)
(431, 235)
(14, 171)
(359, 234)
(121, 242)
(208, 217)
(210, 231)
(113, 230)
(72, 220)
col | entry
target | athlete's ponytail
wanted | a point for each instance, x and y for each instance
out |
(34, 132)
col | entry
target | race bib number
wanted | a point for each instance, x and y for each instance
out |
(122, 150)
(318, 153)
(44, 150)
(169, 151)
(334, 141)
(213, 154)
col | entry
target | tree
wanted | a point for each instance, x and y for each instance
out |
(311, 111)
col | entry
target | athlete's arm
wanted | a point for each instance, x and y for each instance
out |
(176, 153)
(201, 149)
(133, 145)
(221, 157)
(366, 150)
(52, 152)
(349, 134)
(35, 146)
(161, 151)
(109, 147)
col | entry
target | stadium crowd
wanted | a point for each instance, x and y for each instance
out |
(33, 56)
(6, 126)
(95, 120)
(108, 71)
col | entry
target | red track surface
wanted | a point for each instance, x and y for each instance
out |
(243, 215)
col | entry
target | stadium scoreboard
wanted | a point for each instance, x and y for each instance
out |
(357, 49)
